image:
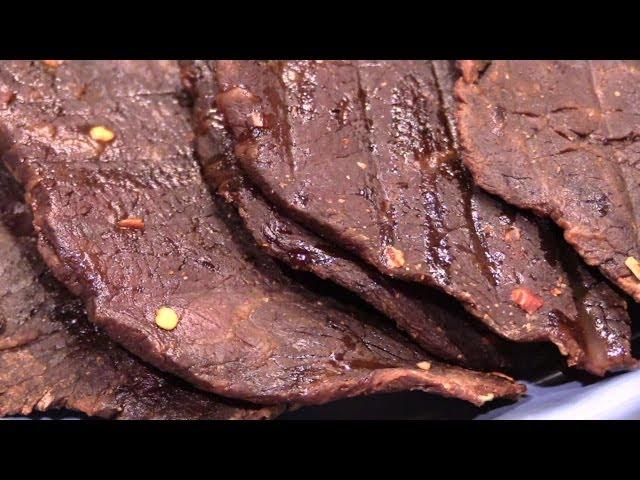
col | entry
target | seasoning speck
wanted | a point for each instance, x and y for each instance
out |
(256, 119)
(394, 258)
(556, 292)
(512, 234)
(616, 93)
(6, 97)
(633, 265)
(167, 318)
(526, 299)
(423, 365)
(486, 398)
(53, 63)
(361, 165)
(101, 134)
(132, 223)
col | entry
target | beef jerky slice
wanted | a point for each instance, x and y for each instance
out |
(560, 138)
(433, 320)
(127, 223)
(52, 357)
(364, 153)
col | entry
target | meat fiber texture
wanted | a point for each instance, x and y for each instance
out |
(432, 319)
(104, 151)
(561, 138)
(52, 357)
(364, 154)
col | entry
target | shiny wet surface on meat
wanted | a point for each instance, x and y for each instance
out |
(364, 154)
(126, 222)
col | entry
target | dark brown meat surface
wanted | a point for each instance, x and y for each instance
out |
(126, 222)
(561, 138)
(52, 357)
(433, 320)
(364, 154)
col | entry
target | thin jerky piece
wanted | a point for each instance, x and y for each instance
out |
(244, 330)
(364, 153)
(433, 320)
(52, 357)
(561, 138)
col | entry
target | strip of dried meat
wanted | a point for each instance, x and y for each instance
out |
(561, 138)
(185, 293)
(52, 357)
(365, 154)
(434, 320)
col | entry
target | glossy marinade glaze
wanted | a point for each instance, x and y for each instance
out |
(433, 319)
(104, 151)
(561, 138)
(52, 357)
(365, 155)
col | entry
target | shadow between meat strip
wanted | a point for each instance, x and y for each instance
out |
(561, 138)
(52, 357)
(364, 154)
(435, 321)
(244, 331)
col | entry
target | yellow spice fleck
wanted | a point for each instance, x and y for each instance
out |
(423, 365)
(101, 134)
(167, 318)
(394, 258)
(486, 398)
(633, 265)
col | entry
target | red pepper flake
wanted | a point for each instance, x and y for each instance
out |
(131, 222)
(6, 97)
(53, 63)
(526, 299)
(394, 258)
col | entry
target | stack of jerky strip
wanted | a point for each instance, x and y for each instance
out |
(130, 290)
